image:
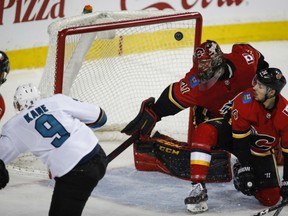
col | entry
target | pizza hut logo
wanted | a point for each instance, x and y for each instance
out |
(33, 10)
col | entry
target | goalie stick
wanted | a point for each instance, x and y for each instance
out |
(278, 207)
(122, 147)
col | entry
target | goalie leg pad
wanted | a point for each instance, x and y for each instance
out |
(220, 167)
(145, 159)
(166, 155)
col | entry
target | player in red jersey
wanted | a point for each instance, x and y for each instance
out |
(259, 118)
(215, 78)
(259, 123)
(4, 70)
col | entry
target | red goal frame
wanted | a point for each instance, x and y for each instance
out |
(60, 53)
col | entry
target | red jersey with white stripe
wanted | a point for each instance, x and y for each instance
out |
(268, 127)
(241, 68)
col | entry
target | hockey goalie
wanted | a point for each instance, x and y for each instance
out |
(215, 79)
(165, 154)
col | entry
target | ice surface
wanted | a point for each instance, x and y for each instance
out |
(125, 191)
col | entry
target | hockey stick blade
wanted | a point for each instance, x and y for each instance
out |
(273, 208)
(121, 148)
(280, 209)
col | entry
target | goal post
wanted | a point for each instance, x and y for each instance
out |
(119, 59)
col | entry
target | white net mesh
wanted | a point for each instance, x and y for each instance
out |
(121, 66)
(128, 61)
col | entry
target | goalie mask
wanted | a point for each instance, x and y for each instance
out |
(208, 58)
(4, 67)
(270, 77)
(25, 96)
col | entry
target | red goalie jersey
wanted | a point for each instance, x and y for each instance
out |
(241, 67)
(268, 127)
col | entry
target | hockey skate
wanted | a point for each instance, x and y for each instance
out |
(196, 201)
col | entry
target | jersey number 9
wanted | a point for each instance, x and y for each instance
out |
(48, 126)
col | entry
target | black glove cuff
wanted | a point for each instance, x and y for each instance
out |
(4, 175)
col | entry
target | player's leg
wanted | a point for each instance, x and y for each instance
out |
(267, 179)
(72, 190)
(205, 137)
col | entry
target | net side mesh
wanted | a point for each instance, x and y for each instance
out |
(119, 68)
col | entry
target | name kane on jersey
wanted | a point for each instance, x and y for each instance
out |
(34, 113)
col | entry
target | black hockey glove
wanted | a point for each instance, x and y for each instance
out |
(4, 175)
(284, 190)
(144, 122)
(245, 180)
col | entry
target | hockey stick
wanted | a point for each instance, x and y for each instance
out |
(276, 207)
(122, 147)
(280, 209)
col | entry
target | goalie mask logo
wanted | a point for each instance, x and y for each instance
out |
(199, 52)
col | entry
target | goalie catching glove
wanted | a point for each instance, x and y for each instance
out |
(4, 175)
(144, 122)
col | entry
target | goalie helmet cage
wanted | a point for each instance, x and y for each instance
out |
(119, 59)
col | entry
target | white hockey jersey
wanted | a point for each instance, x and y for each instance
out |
(54, 131)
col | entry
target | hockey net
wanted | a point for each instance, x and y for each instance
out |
(119, 59)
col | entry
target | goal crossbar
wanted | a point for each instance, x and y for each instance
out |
(117, 25)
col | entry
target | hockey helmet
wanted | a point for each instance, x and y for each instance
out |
(4, 67)
(271, 77)
(208, 57)
(25, 96)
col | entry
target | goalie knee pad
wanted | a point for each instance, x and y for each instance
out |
(268, 196)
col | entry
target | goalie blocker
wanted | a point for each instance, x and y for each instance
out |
(167, 155)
